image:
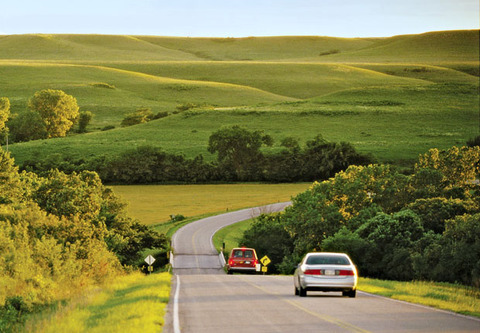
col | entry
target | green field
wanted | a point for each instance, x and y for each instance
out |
(393, 97)
(153, 204)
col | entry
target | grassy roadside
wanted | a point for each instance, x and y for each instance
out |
(445, 296)
(231, 235)
(131, 303)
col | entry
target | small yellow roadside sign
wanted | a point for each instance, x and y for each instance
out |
(264, 269)
(265, 261)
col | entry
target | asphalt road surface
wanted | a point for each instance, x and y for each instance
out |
(205, 299)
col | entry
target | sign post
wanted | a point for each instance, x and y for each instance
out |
(265, 261)
(150, 260)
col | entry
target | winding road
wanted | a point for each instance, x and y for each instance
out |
(205, 299)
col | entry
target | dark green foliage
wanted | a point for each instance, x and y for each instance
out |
(268, 236)
(12, 314)
(83, 120)
(108, 127)
(390, 238)
(152, 165)
(474, 141)
(348, 242)
(27, 126)
(435, 211)
(239, 158)
(421, 226)
(238, 151)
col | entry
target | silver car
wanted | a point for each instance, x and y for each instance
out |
(325, 271)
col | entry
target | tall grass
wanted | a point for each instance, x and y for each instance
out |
(131, 303)
(456, 298)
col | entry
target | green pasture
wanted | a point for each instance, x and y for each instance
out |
(153, 204)
(294, 79)
(129, 90)
(394, 123)
(393, 97)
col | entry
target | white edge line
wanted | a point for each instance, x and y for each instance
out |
(176, 321)
(422, 306)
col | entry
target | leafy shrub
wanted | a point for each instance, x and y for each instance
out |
(138, 117)
(103, 85)
(269, 237)
(185, 106)
(108, 127)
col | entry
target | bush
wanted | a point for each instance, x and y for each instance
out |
(138, 117)
(269, 237)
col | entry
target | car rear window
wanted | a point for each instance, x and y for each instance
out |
(237, 253)
(327, 260)
(242, 253)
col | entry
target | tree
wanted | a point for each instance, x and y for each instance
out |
(10, 184)
(4, 111)
(83, 121)
(459, 166)
(27, 126)
(57, 110)
(239, 150)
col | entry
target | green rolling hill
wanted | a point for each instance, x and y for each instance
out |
(394, 97)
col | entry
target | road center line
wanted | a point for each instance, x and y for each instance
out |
(323, 317)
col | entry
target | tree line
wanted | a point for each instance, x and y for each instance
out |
(61, 234)
(394, 226)
(239, 158)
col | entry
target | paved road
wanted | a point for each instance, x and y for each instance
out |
(205, 299)
(192, 244)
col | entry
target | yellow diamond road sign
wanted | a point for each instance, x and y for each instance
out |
(265, 261)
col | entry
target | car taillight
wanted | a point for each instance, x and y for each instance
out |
(230, 262)
(345, 272)
(313, 272)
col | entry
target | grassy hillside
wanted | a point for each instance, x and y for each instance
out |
(128, 90)
(432, 47)
(394, 97)
(296, 80)
(429, 47)
(88, 48)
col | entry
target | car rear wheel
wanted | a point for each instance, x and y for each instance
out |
(350, 293)
(302, 292)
